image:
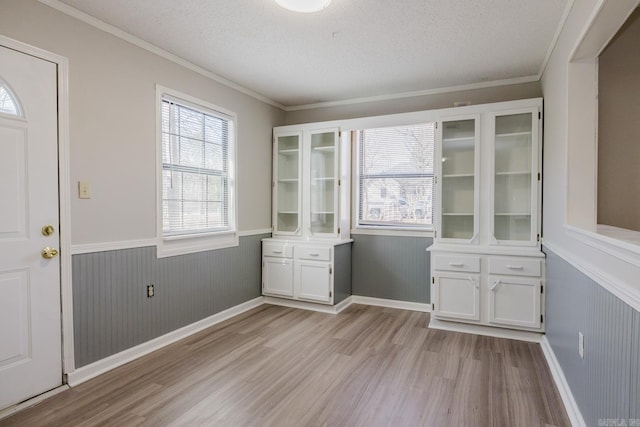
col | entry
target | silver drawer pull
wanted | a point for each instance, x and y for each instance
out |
(314, 254)
(277, 252)
(514, 267)
(495, 285)
(456, 264)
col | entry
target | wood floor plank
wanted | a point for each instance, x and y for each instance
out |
(279, 366)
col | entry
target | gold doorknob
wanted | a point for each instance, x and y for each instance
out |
(49, 252)
(48, 230)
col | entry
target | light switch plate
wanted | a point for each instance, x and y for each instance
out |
(84, 190)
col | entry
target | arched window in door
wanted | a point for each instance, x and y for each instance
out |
(8, 102)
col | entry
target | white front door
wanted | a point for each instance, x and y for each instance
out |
(30, 330)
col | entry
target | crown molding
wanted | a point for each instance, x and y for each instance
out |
(412, 94)
(556, 36)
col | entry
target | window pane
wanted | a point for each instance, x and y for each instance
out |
(213, 156)
(171, 185)
(406, 201)
(191, 124)
(214, 215)
(194, 216)
(400, 150)
(396, 175)
(215, 190)
(215, 129)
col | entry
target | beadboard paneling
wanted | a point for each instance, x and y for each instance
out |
(342, 273)
(634, 409)
(602, 381)
(391, 267)
(110, 306)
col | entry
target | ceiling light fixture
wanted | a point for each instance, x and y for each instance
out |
(304, 6)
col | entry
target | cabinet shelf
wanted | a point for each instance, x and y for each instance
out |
(458, 175)
(457, 213)
(459, 139)
(288, 212)
(512, 214)
(513, 173)
(330, 148)
(288, 180)
(512, 134)
(289, 151)
(322, 212)
(324, 178)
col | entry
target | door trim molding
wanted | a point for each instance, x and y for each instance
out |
(64, 192)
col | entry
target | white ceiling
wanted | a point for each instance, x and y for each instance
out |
(353, 49)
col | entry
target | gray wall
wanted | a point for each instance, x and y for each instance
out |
(391, 267)
(342, 273)
(112, 312)
(606, 382)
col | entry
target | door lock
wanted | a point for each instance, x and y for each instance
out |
(48, 230)
(49, 252)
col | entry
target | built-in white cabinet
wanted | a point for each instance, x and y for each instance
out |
(311, 213)
(306, 270)
(310, 182)
(486, 264)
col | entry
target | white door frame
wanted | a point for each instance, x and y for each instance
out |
(64, 192)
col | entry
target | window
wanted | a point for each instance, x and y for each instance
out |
(8, 103)
(395, 176)
(197, 172)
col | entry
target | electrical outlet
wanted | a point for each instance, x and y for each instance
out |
(581, 345)
(150, 291)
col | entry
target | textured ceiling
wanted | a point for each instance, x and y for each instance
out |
(354, 48)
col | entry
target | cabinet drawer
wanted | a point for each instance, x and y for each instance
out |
(457, 263)
(315, 253)
(280, 250)
(515, 266)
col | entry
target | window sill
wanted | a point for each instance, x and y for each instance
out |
(181, 245)
(620, 243)
(393, 231)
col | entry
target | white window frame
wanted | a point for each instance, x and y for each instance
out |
(195, 242)
(384, 229)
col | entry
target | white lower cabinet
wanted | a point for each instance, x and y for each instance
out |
(305, 270)
(314, 280)
(277, 276)
(457, 296)
(514, 301)
(490, 290)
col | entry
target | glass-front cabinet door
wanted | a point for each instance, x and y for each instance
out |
(458, 185)
(515, 178)
(323, 181)
(287, 185)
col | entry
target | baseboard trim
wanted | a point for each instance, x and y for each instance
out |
(7, 412)
(390, 303)
(488, 331)
(570, 404)
(88, 372)
(321, 308)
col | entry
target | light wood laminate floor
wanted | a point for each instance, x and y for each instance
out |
(277, 366)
